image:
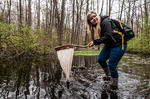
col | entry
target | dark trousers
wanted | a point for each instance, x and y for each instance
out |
(114, 55)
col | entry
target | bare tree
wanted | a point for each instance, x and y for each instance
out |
(9, 11)
(20, 14)
(141, 10)
(128, 14)
(26, 11)
(20, 8)
(79, 32)
(56, 14)
(137, 15)
(87, 9)
(110, 6)
(77, 22)
(107, 7)
(51, 18)
(97, 6)
(38, 14)
(133, 13)
(55, 17)
(61, 25)
(122, 9)
(102, 7)
(46, 16)
(73, 14)
(146, 11)
(29, 13)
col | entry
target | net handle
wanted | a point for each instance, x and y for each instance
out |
(81, 46)
(69, 46)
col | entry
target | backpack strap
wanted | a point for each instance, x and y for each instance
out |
(120, 33)
(122, 37)
(120, 24)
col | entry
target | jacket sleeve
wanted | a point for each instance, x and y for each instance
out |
(107, 30)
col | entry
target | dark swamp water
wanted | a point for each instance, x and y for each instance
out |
(42, 78)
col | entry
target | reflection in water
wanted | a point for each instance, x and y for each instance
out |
(42, 77)
(29, 78)
(84, 60)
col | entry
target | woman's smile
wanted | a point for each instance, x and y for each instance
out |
(93, 19)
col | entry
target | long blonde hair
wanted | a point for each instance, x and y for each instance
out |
(89, 26)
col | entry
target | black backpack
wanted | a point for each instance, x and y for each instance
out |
(126, 32)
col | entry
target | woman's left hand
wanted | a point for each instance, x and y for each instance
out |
(91, 44)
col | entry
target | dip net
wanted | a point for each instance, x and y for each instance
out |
(65, 56)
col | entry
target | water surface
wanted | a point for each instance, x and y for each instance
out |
(42, 78)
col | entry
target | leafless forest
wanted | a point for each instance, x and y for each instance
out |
(64, 20)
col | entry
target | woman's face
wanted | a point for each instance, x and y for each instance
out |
(93, 19)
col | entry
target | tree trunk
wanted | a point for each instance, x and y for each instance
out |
(110, 6)
(73, 10)
(128, 14)
(57, 19)
(141, 10)
(20, 9)
(102, 7)
(97, 6)
(9, 12)
(146, 11)
(77, 22)
(46, 16)
(29, 13)
(86, 34)
(26, 12)
(61, 22)
(51, 18)
(107, 7)
(38, 14)
(122, 10)
(133, 14)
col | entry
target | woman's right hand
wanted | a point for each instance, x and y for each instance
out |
(91, 44)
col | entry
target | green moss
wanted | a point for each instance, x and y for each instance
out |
(78, 67)
(86, 53)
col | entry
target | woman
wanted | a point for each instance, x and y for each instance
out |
(102, 27)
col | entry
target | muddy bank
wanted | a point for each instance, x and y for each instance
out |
(138, 53)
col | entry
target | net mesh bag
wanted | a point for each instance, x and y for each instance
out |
(65, 56)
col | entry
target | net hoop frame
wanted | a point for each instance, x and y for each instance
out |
(63, 47)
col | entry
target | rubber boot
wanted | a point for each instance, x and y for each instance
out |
(114, 84)
(68, 84)
(107, 74)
